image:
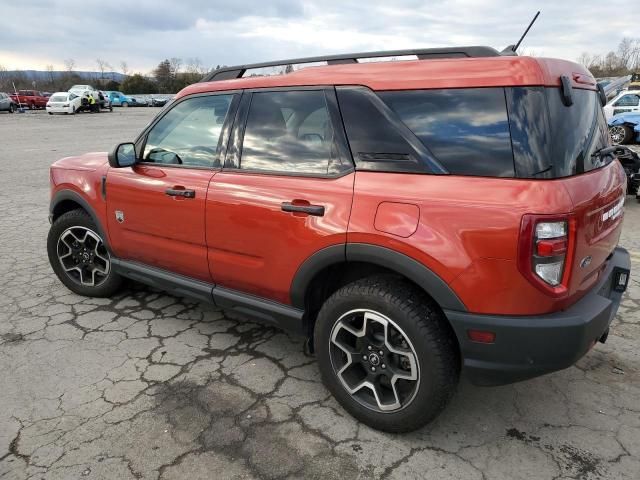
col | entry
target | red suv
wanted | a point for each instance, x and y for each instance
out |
(418, 219)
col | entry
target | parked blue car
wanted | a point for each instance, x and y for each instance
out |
(624, 128)
(119, 99)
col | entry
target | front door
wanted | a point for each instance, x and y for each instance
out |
(285, 192)
(156, 209)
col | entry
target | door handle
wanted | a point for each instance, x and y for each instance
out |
(316, 210)
(180, 192)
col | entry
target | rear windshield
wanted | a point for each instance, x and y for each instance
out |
(59, 98)
(577, 132)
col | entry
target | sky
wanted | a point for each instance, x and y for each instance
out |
(144, 32)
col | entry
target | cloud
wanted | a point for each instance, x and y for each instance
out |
(144, 32)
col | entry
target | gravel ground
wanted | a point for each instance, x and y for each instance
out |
(150, 386)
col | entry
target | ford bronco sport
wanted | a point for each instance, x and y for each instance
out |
(454, 213)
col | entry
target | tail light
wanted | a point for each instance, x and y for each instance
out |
(545, 252)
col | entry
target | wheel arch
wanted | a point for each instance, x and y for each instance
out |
(67, 200)
(332, 267)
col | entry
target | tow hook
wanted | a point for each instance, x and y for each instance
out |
(604, 336)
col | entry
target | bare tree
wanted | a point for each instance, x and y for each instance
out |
(194, 66)
(70, 64)
(625, 50)
(176, 64)
(102, 66)
(125, 68)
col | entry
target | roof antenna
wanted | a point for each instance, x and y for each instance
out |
(511, 49)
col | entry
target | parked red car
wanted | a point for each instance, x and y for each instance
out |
(414, 219)
(31, 99)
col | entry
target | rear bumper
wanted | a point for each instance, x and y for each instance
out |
(529, 346)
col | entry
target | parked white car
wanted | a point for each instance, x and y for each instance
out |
(625, 101)
(63, 102)
(85, 90)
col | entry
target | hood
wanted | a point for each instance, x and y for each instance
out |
(629, 117)
(88, 162)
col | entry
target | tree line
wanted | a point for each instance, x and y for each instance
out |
(170, 76)
(623, 61)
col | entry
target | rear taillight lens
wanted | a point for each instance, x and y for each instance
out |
(545, 252)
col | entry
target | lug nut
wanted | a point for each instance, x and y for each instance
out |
(364, 357)
(373, 369)
(381, 352)
(383, 366)
(369, 347)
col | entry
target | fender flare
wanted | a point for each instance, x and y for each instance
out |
(415, 271)
(64, 195)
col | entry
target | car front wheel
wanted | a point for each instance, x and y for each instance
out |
(386, 353)
(620, 134)
(79, 256)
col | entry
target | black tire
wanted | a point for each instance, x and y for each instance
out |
(620, 134)
(108, 284)
(428, 332)
(12, 108)
(50, 113)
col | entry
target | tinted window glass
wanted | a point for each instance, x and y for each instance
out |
(290, 132)
(576, 131)
(189, 134)
(530, 135)
(377, 137)
(466, 129)
(628, 101)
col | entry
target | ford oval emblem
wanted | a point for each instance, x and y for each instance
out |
(586, 261)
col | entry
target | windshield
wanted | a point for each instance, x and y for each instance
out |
(58, 98)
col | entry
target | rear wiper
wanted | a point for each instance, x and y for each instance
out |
(613, 150)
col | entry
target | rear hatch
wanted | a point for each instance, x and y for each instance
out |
(567, 150)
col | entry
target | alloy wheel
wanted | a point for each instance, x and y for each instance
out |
(83, 256)
(374, 360)
(617, 134)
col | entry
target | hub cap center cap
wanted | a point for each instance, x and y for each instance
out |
(374, 359)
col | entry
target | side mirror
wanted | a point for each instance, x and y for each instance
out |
(123, 155)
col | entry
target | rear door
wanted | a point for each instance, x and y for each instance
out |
(285, 191)
(156, 208)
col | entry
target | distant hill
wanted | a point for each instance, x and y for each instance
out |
(43, 75)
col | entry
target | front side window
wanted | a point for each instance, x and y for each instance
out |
(290, 132)
(467, 130)
(629, 100)
(189, 133)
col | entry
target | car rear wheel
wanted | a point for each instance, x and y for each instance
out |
(386, 353)
(125, 104)
(12, 108)
(620, 134)
(79, 257)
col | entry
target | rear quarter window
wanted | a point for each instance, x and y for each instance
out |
(467, 130)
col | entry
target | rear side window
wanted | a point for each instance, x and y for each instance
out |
(290, 132)
(467, 130)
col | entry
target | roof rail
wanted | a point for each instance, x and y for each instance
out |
(227, 73)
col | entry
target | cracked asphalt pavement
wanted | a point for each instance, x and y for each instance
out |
(146, 385)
